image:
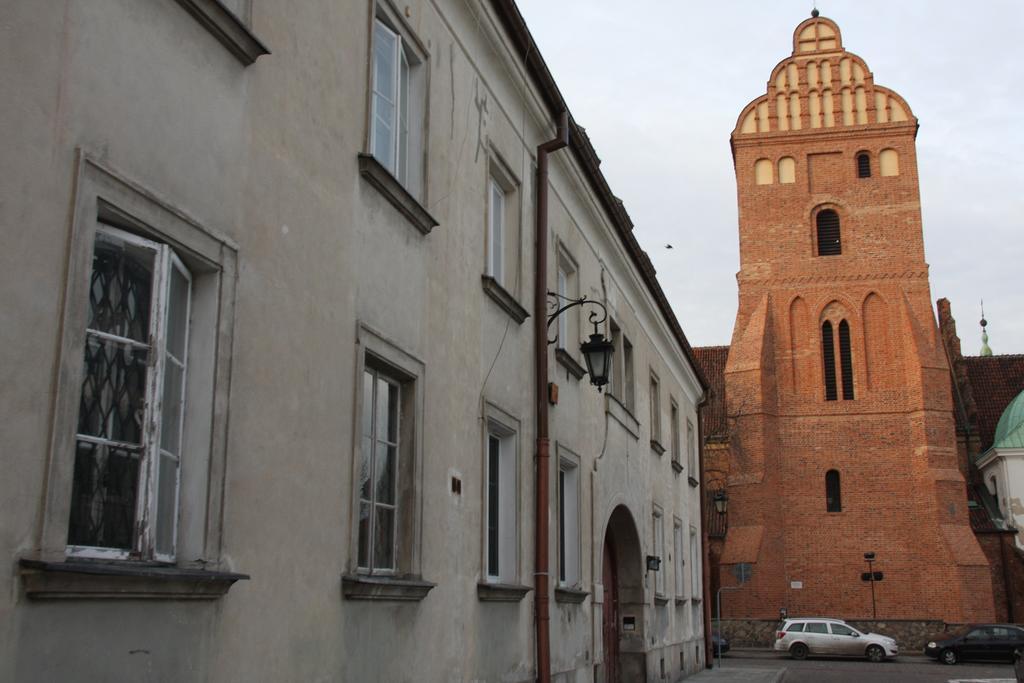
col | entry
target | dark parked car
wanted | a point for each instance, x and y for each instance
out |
(719, 643)
(979, 642)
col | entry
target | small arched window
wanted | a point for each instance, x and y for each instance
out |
(828, 358)
(828, 233)
(863, 165)
(833, 495)
(845, 360)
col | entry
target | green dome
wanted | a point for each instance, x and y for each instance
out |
(1010, 430)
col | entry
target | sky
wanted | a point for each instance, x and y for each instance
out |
(659, 84)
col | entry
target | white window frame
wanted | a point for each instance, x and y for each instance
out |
(496, 212)
(104, 197)
(695, 592)
(691, 449)
(676, 446)
(503, 430)
(654, 399)
(568, 492)
(659, 550)
(679, 557)
(403, 129)
(147, 524)
(628, 378)
(502, 261)
(392, 447)
(567, 286)
(379, 352)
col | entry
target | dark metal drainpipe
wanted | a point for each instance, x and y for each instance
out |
(541, 582)
(705, 550)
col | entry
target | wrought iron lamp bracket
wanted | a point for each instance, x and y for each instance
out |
(595, 317)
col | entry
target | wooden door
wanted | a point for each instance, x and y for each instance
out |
(610, 615)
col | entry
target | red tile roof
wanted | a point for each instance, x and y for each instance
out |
(995, 381)
(711, 360)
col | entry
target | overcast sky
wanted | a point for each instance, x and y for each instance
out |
(659, 84)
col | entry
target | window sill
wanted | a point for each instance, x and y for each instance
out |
(501, 592)
(676, 466)
(657, 447)
(360, 587)
(682, 601)
(570, 595)
(396, 194)
(620, 412)
(660, 599)
(693, 482)
(78, 579)
(504, 299)
(566, 360)
(227, 28)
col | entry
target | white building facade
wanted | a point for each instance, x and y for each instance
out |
(269, 400)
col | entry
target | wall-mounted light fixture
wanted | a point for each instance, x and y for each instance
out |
(597, 351)
(721, 501)
(653, 563)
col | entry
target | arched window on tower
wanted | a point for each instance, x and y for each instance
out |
(828, 233)
(845, 361)
(863, 165)
(828, 358)
(833, 495)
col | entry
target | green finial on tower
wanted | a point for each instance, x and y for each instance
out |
(985, 350)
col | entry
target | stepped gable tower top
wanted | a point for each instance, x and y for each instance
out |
(821, 87)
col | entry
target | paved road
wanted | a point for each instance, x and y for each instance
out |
(768, 667)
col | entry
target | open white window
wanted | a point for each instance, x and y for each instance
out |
(568, 522)
(124, 500)
(500, 504)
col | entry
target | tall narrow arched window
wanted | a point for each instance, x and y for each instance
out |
(828, 233)
(828, 359)
(863, 165)
(833, 496)
(845, 361)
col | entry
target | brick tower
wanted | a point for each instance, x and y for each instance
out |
(841, 428)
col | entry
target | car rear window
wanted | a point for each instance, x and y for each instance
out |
(796, 628)
(815, 627)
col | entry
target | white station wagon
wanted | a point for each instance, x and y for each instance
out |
(832, 637)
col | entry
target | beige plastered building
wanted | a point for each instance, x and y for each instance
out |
(267, 359)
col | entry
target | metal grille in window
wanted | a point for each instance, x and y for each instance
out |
(828, 358)
(863, 166)
(828, 233)
(110, 418)
(845, 360)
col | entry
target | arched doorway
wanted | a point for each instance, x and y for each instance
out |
(622, 616)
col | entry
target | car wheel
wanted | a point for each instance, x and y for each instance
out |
(798, 651)
(947, 656)
(875, 653)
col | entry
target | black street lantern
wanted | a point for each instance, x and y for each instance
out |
(721, 501)
(597, 352)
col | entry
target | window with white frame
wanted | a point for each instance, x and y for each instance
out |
(397, 104)
(568, 523)
(621, 378)
(128, 442)
(659, 550)
(567, 287)
(141, 397)
(654, 395)
(691, 451)
(386, 532)
(695, 587)
(628, 386)
(679, 557)
(500, 504)
(496, 230)
(502, 224)
(674, 427)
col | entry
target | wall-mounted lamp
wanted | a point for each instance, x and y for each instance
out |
(597, 351)
(653, 563)
(721, 501)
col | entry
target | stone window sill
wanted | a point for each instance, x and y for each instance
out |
(570, 595)
(399, 197)
(660, 600)
(676, 466)
(80, 579)
(227, 28)
(360, 587)
(682, 601)
(566, 360)
(622, 415)
(501, 592)
(504, 299)
(657, 447)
